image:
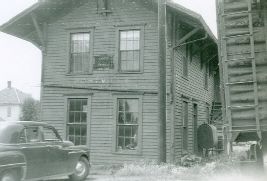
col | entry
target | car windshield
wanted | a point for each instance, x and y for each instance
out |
(9, 134)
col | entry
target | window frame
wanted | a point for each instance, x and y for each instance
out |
(185, 127)
(88, 122)
(91, 53)
(138, 151)
(141, 28)
(206, 76)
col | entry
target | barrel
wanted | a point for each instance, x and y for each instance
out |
(207, 136)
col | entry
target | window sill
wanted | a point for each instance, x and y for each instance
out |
(134, 152)
(78, 74)
(121, 72)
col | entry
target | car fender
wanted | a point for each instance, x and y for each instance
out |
(13, 160)
(75, 152)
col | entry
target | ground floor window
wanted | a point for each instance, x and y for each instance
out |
(77, 121)
(128, 120)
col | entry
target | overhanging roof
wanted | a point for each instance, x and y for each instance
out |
(22, 25)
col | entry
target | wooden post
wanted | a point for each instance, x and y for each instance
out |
(162, 79)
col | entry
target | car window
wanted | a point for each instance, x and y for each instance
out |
(49, 134)
(30, 135)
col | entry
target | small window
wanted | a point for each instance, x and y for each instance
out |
(129, 51)
(189, 51)
(9, 111)
(31, 135)
(127, 124)
(206, 76)
(79, 52)
(185, 67)
(185, 125)
(77, 121)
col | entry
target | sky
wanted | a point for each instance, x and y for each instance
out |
(20, 61)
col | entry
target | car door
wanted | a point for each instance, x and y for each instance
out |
(35, 152)
(58, 156)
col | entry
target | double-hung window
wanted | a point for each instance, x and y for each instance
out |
(128, 124)
(185, 125)
(130, 50)
(77, 121)
(80, 55)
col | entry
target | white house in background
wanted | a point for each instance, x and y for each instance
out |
(11, 100)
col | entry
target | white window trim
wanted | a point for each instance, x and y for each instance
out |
(138, 151)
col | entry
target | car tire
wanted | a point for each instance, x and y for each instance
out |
(81, 170)
(9, 175)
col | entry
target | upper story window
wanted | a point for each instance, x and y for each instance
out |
(185, 67)
(80, 52)
(206, 76)
(129, 51)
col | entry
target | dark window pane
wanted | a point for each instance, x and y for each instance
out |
(71, 130)
(83, 140)
(121, 142)
(77, 117)
(71, 117)
(83, 131)
(121, 131)
(128, 131)
(128, 117)
(121, 104)
(121, 118)
(84, 117)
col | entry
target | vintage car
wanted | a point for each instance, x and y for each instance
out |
(35, 151)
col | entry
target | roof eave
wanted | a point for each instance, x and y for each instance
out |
(194, 15)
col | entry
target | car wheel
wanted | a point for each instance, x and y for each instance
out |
(81, 170)
(9, 176)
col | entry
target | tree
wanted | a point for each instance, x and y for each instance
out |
(30, 110)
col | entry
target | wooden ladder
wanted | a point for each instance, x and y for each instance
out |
(225, 61)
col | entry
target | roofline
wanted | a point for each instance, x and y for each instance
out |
(169, 3)
(193, 14)
(18, 16)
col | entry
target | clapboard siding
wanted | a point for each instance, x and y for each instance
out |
(192, 90)
(101, 85)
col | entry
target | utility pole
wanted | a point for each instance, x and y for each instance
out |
(162, 79)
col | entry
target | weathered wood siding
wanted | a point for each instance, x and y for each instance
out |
(192, 90)
(124, 13)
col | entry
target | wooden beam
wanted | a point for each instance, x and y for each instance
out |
(188, 35)
(38, 30)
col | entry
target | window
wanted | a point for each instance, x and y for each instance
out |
(195, 126)
(30, 135)
(189, 49)
(208, 113)
(129, 50)
(206, 76)
(80, 52)
(128, 120)
(9, 111)
(185, 67)
(77, 121)
(185, 125)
